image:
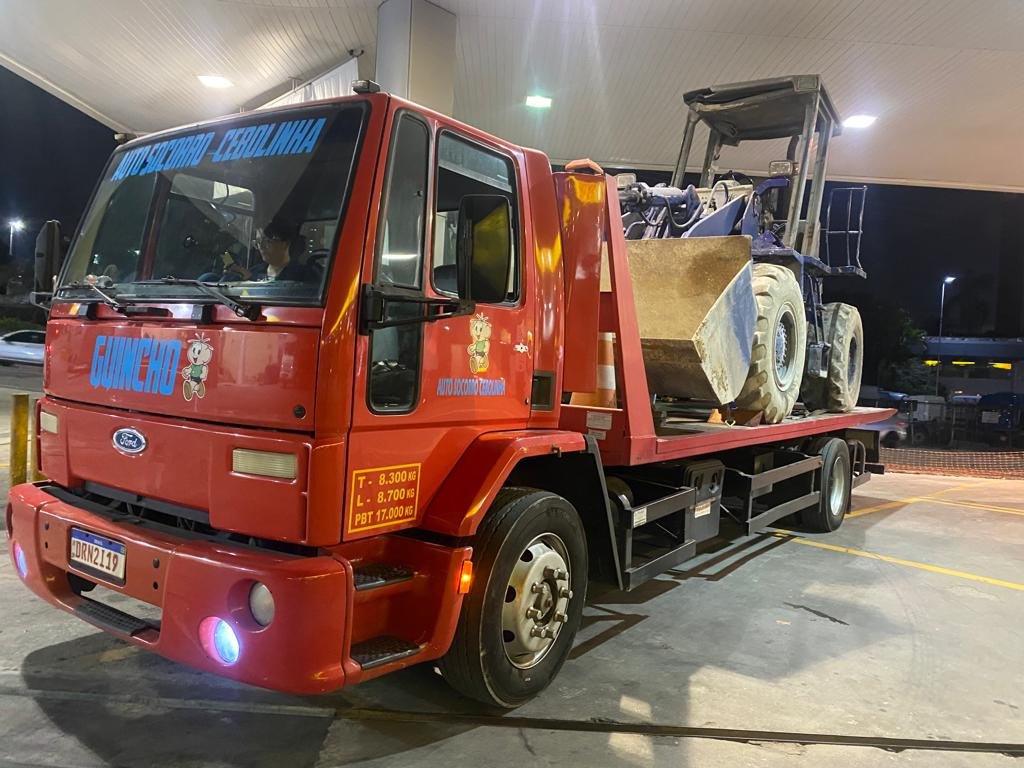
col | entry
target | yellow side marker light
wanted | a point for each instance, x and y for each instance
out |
(465, 577)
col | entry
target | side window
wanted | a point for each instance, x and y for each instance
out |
(400, 241)
(395, 352)
(464, 168)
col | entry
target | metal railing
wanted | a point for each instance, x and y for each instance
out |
(851, 230)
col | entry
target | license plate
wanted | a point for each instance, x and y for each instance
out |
(96, 553)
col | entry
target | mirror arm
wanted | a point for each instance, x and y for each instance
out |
(376, 300)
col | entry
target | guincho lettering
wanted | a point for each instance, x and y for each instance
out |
(135, 365)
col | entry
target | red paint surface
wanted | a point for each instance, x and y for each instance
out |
(318, 613)
(439, 429)
(582, 203)
(258, 372)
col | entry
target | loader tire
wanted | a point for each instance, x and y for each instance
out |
(780, 345)
(839, 390)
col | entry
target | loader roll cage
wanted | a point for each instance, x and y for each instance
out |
(797, 108)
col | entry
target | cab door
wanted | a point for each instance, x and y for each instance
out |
(426, 389)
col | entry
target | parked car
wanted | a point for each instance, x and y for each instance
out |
(893, 431)
(22, 347)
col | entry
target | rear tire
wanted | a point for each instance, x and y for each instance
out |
(780, 345)
(836, 483)
(531, 577)
(839, 390)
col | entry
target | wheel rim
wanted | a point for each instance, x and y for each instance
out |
(785, 334)
(837, 493)
(851, 366)
(536, 601)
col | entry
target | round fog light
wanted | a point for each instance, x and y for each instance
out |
(261, 603)
(20, 560)
(219, 640)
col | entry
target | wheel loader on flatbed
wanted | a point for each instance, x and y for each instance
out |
(744, 257)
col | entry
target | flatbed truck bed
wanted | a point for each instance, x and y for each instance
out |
(670, 481)
(679, 438)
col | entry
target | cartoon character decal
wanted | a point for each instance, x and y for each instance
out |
(199, 354)
(480, 331)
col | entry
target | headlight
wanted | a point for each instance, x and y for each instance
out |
(266, 463)
(219, 640)
(20, 560)
(48, 422)
(261, 604)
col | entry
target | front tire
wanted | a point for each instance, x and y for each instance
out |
(522, 613)
(780, 345)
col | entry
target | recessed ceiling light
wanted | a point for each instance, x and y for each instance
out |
(214, 81)
(538, 102)
(859, 121)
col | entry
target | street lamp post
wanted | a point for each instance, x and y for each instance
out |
(942, 305)
(16, 225)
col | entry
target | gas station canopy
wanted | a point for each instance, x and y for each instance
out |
(943, 79)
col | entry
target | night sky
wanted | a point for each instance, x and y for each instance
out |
(914, 236)
(51, 157)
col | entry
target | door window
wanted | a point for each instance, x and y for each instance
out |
(465, 168)
(395, 352)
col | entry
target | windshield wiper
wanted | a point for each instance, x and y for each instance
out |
(248, 311)
(114, 301)
(110, 301)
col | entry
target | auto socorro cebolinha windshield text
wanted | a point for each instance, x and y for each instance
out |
(289, 137)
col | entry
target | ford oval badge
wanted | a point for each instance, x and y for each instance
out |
(129, 440)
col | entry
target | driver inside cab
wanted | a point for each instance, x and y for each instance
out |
(280, 247)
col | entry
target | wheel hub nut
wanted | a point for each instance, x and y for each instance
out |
(537, 602)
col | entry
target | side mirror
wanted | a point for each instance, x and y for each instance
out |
(48, 257)
(483, 251)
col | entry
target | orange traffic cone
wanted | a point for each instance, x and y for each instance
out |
(605, 396)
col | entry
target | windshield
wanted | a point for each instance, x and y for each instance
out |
(249, 206)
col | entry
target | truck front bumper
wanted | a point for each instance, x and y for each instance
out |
(301, 651)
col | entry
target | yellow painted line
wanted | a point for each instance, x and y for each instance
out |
(886, 505)
(980, 507)
(909, 500)
(907, 563)
(962, 487)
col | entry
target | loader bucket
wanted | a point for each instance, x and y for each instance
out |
(697, 314)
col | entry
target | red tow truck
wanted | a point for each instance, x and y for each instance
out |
(306, 398)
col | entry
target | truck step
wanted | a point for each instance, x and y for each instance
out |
(374, 575)
(382, 650)
(654, 561)
(106, 617)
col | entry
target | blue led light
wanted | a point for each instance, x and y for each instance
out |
(226, 642)
(20, 560)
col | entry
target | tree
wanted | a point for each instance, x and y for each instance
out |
(911, 376)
